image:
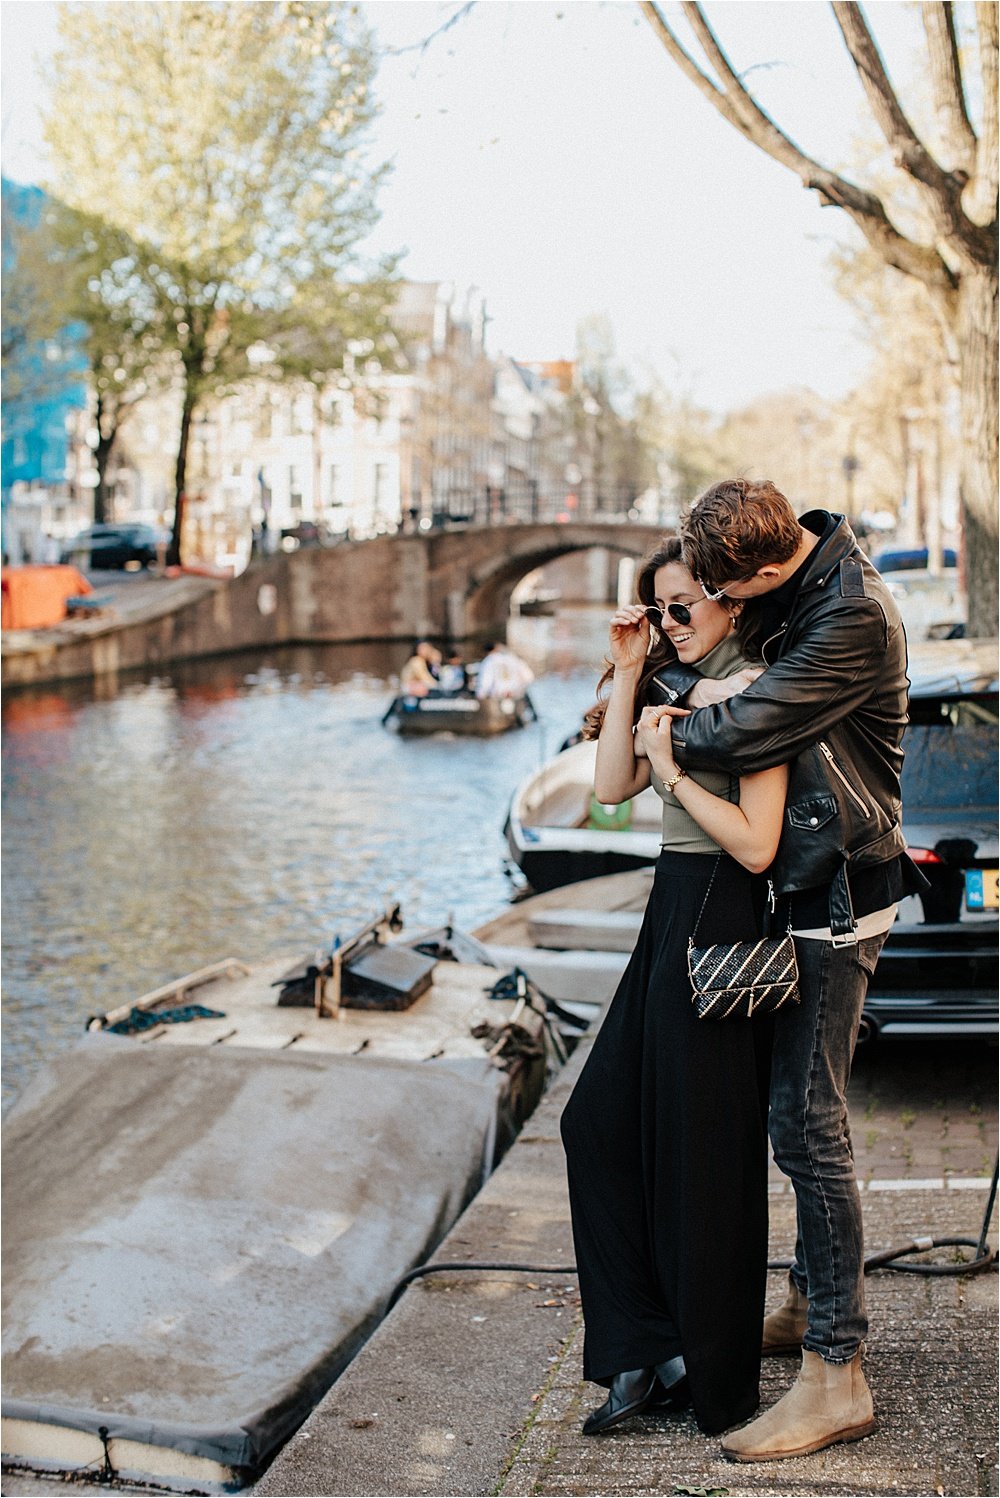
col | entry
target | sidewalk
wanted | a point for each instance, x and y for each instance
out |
(473, 1384)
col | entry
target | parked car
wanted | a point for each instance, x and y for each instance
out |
(932, 604)
(113, 547)
(938, 970)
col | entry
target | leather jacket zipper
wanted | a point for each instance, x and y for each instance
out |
(827, 753)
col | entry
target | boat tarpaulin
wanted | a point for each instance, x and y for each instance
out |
(198, 1239)
(35, 597)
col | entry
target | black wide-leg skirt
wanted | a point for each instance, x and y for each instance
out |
(666, 1145)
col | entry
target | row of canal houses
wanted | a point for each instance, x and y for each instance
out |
(449, 432)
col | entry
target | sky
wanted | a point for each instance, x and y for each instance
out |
(552, 155)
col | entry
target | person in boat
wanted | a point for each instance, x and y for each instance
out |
(419, 675)
(453, 677)
(502, 674)
(665, 1131)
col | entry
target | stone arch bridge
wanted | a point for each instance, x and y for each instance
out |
(452, 584)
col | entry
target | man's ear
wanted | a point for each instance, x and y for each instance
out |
(770, 571)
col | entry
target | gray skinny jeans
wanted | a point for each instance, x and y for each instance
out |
(811, 1138)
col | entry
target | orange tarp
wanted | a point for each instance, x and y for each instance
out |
(35, 597)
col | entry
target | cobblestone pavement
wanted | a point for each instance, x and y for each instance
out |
(931, 1363)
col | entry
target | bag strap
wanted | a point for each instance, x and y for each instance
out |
(734, 791)
(704, 902)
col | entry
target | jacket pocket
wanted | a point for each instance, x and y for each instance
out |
(811, 812)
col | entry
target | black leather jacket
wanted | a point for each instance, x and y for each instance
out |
(832, 704)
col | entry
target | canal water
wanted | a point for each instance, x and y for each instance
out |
(249, 806)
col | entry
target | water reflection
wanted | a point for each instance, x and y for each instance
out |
(247, 806)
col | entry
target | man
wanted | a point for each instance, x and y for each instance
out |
(832, 703)
(502, 674)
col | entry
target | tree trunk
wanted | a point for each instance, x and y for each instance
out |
(180, 472)
(978, 478)
(102, 458)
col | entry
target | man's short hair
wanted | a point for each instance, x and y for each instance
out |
(735, 528)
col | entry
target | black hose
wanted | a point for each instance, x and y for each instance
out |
(442, 1268)
(984, 1257)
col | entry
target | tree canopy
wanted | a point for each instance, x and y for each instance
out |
(951, 252)
(227, 143)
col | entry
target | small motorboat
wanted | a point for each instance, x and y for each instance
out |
(210, 1200)
(558, 832)
(542, 603)
(461, 713)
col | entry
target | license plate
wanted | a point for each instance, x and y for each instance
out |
(982, 889)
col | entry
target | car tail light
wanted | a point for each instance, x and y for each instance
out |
(924, 855)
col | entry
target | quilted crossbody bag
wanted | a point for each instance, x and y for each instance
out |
(737, 980)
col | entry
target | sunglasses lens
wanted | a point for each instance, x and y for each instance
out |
(653, 614)
(679, 612)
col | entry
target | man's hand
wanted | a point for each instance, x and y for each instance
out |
(706, 693)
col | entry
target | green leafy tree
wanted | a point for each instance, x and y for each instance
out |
(227, 141)
(951, 255)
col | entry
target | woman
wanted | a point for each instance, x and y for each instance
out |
(419, 675)
(665, 1132)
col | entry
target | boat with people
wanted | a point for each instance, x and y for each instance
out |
(444, 695)
(211, 1198)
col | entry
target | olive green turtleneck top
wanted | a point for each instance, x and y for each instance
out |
(681, 833)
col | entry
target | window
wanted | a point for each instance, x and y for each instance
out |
(381, 483)
(333, 495)
(294, 487)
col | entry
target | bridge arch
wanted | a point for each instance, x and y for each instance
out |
(473, 573)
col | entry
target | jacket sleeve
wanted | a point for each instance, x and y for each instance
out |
(672, 683)
(831, 670)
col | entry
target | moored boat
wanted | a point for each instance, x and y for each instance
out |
(210, 1200)
(558, 832)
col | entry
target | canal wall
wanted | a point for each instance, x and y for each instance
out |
(454, 585)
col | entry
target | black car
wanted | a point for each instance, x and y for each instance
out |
(938, 969)
(113, 548)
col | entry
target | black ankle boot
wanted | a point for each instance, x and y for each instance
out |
(630, 1394)
(672, 1393)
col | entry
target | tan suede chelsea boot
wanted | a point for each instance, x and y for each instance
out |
(785, 1327)
(828, 1402)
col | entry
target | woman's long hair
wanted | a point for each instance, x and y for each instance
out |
(661, 652)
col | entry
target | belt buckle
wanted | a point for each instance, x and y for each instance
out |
(845, 939)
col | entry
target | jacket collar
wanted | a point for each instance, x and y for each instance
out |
(828, 555)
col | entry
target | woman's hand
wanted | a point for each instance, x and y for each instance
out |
(629, 635)
(653, 738)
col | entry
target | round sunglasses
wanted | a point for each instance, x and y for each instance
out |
(679, 612)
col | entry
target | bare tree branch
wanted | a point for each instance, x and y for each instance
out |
(980, 197)
(734, 103)
(422, 45)
(946, 82)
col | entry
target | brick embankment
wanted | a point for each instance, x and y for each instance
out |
(473, 1384)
